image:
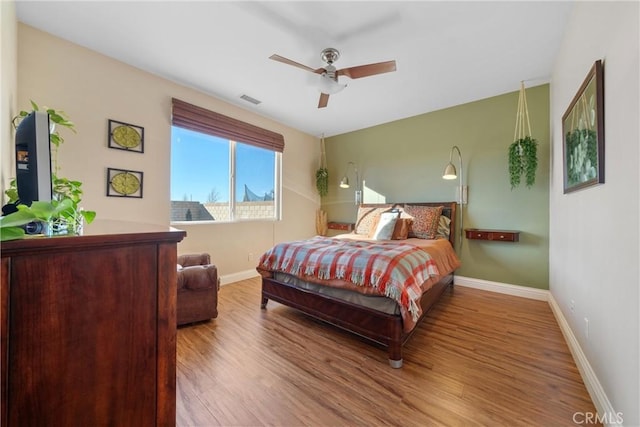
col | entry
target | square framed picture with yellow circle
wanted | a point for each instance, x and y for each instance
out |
(125, 136)
(124, 183)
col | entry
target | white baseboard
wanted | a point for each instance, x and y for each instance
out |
(236, 277)
(600, 400)
(598, 396)
(502, 288)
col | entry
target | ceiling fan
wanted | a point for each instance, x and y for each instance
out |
(329, 74)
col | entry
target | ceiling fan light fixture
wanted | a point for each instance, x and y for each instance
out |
(328, 83)
(329, 86)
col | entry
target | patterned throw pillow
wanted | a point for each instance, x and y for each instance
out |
(425, 220)
(402, 228)
(444, 225)
(367, 216)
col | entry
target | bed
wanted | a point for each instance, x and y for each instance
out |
(388, 307)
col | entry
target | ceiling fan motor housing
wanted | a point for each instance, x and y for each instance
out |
(330, 71)
(330, 55)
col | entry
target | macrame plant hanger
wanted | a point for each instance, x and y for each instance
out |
(523, 151)
(322, 184)
(323, 154)
(521, 115)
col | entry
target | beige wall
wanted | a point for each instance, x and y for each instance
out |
(8, 89)
(403, 161)
(594, 246)
(92, 88)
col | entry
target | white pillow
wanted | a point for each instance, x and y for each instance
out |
(386, 224)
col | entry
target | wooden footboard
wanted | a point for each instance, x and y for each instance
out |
(382, 328)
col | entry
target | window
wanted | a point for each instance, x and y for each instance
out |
(222, 169)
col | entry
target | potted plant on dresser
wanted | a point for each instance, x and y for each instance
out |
(63, 213)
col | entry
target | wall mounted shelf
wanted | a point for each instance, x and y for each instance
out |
(492, 235)
(344, 226)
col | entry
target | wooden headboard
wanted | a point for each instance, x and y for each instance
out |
(448, 210)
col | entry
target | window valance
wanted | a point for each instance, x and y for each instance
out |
(199, 119)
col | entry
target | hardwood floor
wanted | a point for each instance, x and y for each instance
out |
(479, 358)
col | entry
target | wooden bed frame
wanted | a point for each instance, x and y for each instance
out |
(382, 328)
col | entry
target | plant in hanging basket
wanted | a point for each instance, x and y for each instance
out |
(322, 181)
(523, 153)
(523, 160)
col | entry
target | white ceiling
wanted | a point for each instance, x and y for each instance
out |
(447, 52)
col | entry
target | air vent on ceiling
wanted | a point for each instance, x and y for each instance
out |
(250, 99)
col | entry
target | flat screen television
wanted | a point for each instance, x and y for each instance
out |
(33, 159)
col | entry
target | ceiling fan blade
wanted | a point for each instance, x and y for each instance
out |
(324, 100)
(367, 70)
(295, 64)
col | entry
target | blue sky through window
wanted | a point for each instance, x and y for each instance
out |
(254, 167)
(200, 165)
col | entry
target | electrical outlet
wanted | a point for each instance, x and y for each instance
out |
(250, 256)
(586, 327)
(572, 306)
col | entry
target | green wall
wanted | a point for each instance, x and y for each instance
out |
(403, 161)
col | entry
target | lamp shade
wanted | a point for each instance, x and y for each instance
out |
(450, 172)
(329, 86)
(344, 182)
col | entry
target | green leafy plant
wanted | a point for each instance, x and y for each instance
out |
(523, 161)
(523, 152)
(322, 181)
(46, 212)
(63, 212)
(57, 117)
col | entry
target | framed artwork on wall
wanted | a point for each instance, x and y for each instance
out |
(125, 136)
(124, 183)
(583, 134)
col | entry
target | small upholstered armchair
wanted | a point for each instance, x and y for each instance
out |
(198, 286)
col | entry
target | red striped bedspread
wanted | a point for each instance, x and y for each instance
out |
(395, 270)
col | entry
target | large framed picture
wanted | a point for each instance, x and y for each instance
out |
(583, 134)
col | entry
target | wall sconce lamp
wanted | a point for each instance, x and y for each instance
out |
(450, 172)
(344, 182)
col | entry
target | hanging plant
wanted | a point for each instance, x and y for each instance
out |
(322, 174)
(523, 152)
(523, 160)
(322, 181)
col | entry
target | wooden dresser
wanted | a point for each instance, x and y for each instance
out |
(88, 326)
